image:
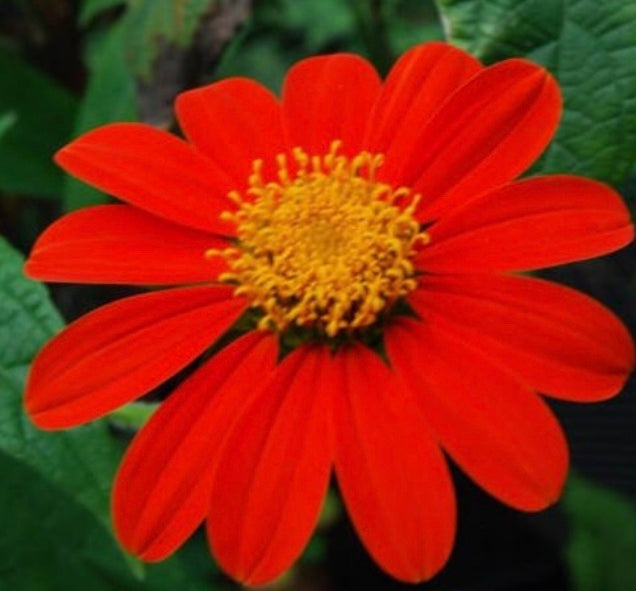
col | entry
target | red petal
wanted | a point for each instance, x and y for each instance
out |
(487, 133)
(121, 244)
(274, 471)
(153, 170)
(162, 489)
(392, 474)
(555, 339)
(123, 350)
(498, 431)
(530, 224)
(234, 122)
(329, 98)
(417, 86)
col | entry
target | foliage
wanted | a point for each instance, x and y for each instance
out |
(29, 133)
(602, 542)
(283, 31)
(590, 47)
(54, 521)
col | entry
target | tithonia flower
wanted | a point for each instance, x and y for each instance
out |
(367, 239)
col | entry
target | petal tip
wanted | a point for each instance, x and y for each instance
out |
(421, 572)
(27, 267)
(42, 418)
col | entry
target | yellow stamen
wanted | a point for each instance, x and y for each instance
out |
(325, 245)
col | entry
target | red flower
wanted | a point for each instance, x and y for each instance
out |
(370, 235)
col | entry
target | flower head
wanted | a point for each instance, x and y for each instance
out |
(369, 236)
(326, 248)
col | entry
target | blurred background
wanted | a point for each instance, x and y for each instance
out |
(70, 65)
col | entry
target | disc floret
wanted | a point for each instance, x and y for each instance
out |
(326, 246)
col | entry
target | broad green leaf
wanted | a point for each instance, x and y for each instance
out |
(590, 46)
(80, 461)
(27, 317)
(49, 542)
(602, 545)
(37, 115)
(60, 483)
(54, 499)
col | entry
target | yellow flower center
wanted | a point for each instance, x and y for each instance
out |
(326, 246)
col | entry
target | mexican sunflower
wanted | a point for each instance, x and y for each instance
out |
(358, 246)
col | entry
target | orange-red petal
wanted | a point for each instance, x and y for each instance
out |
(498, 431)
(529, 224)
(123, 350)
(274, 470)
(234, 122)
(162, 490)
(557, 340)
(329, 98)
(152, 170)
(419, 83)
(393, 477)
(122, 244)
(488, 132)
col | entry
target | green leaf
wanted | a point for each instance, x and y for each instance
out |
(80, 461)
(54, 496)
(37, 115)
(54, 499)
(590, 46)
(602, 542)
(49, 542)
(27, 317)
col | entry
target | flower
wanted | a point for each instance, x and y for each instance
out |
(367, 239)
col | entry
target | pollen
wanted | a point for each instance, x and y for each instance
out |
(326, 246)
